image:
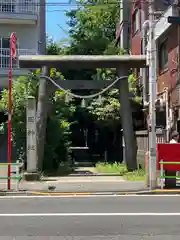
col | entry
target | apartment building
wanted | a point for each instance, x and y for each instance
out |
(167, 52)
(139, 34)
(23, 18)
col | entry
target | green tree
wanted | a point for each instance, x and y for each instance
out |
(58, 132)
(58, 128)
(92, 31)
(22, 88)
(92, 26)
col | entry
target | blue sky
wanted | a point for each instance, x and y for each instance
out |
(56, 15)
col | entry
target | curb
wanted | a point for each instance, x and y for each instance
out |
(144, 192)
(77, 193)
(125, 193)
(159, 192)
(11, 193)
(82, 193)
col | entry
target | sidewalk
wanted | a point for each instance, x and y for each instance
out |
(74, 184)
(83, 184)
(87, 185)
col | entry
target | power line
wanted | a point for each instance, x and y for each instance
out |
(75, 3)
(54, 4)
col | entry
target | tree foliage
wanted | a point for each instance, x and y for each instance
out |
(93, 26)
(57, 143)
(58, 132)
(22, 88)
(92, 31)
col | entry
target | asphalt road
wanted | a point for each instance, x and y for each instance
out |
(80, 218)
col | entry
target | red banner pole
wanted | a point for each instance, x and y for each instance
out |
(12, 54)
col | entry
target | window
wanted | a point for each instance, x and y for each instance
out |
(7, 6)
(163, 56)
(27, 6)
(135, 21)
(5, 43)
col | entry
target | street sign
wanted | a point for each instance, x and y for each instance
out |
(174, 20)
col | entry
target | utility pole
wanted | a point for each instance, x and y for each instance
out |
(152, 98)
(41, 115)
(42, 28)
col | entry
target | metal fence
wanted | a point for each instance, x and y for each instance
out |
(15, 173)
(19, 6)
(4, 56)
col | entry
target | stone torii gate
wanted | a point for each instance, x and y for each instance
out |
(121, 63)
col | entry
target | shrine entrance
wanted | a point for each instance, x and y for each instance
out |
(121, 63)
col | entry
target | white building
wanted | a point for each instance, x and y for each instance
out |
(23, 18)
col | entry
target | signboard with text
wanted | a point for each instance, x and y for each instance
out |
(31, 136)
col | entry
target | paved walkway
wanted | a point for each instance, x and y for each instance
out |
(73, 184)
(78, 184)
(84, 184)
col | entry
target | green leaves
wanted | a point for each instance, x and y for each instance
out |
(21, 89)
(92, 31)
(58, 125)
(92, 27)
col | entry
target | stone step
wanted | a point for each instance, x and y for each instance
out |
(83, 164)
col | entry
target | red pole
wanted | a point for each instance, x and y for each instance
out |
(12, 54)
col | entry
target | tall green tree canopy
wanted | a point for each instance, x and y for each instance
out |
(93, 27)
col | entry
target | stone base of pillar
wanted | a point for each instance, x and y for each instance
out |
(31, 176)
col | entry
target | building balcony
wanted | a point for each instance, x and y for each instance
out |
(4, 61)
(19, 11)
(162, 24)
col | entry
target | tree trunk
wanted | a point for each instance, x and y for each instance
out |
(41, 118)
(127, 122)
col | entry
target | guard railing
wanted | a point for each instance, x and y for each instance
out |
(162, 175)
(17, 176)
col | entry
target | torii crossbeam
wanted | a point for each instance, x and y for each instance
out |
(82, 61)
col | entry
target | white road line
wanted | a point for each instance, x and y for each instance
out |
(84, 214)
(86, 196)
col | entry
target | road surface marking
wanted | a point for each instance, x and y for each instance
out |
(85, 196)
(84, 214)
